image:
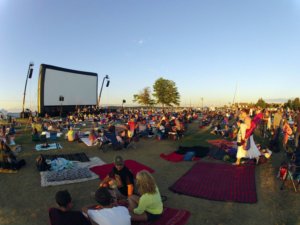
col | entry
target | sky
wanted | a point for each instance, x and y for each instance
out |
(221, 51)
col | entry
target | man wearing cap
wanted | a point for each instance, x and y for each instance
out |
(124, 179)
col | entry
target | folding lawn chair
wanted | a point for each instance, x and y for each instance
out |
(53, 136)
(289, 171)
(103, 143)
(113, 140)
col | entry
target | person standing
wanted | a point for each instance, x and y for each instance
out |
(277, 123)
(297, 134)
(249, 145)
(241, 152)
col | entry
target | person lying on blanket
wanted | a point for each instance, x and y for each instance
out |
(120, 180)
(63, 215)
(148, 206)
(106, 212)
(45, 145)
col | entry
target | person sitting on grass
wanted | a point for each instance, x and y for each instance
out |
(71, 135)
(120, 180)
(106, 213)
(93, 137)
(63, 215)
(35, 135)
(8, 159)
(148, 206)
(113, 138)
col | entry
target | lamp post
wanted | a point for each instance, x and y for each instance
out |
(123, 101)
(61, 99)
(107, 84)
(29, 75)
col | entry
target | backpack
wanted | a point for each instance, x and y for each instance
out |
(41, 163)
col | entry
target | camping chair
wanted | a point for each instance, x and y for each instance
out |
(35, 137)
(53, 136)
(113, 139)
(291, 172)
(43, 138)
(132, 140)
(103, 143)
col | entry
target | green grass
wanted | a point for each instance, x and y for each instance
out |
(24, 202)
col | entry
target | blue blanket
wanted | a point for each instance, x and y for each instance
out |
(40, 147)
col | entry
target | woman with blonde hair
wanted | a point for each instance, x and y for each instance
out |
(148, 206)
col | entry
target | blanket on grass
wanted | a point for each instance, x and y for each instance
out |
(86, 141)
(186, 153)
(68, 176)
(170, 216)
(222, 143)
(220, 182)
(81, 157)
(40, 147)
(132, 165)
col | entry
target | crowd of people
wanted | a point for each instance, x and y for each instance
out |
(120, 128)
(121, 197)
(278, 127)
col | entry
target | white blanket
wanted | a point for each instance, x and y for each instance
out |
(86, 141)
(95, 161)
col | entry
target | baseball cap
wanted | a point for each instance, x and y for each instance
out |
(119, 161)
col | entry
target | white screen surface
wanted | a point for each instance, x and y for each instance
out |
(77, 89)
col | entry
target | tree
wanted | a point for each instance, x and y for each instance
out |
(144, 97)
(165, 92)
(288, 104)
(261, 103)
(296, 104)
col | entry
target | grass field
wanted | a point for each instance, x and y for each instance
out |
(24, 202)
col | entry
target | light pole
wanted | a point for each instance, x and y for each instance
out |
(29, 75)
(61, 99)
(124, 101)
(107, 84)
(202, 103)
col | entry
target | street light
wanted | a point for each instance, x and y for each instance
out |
(107, 84)
(61, 99)
(123, 102)
(29, 75)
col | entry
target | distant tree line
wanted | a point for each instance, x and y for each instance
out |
(291, 104)
(164, 92)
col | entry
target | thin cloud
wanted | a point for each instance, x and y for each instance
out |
(140, 42)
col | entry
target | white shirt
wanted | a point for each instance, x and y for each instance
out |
(110, 216)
